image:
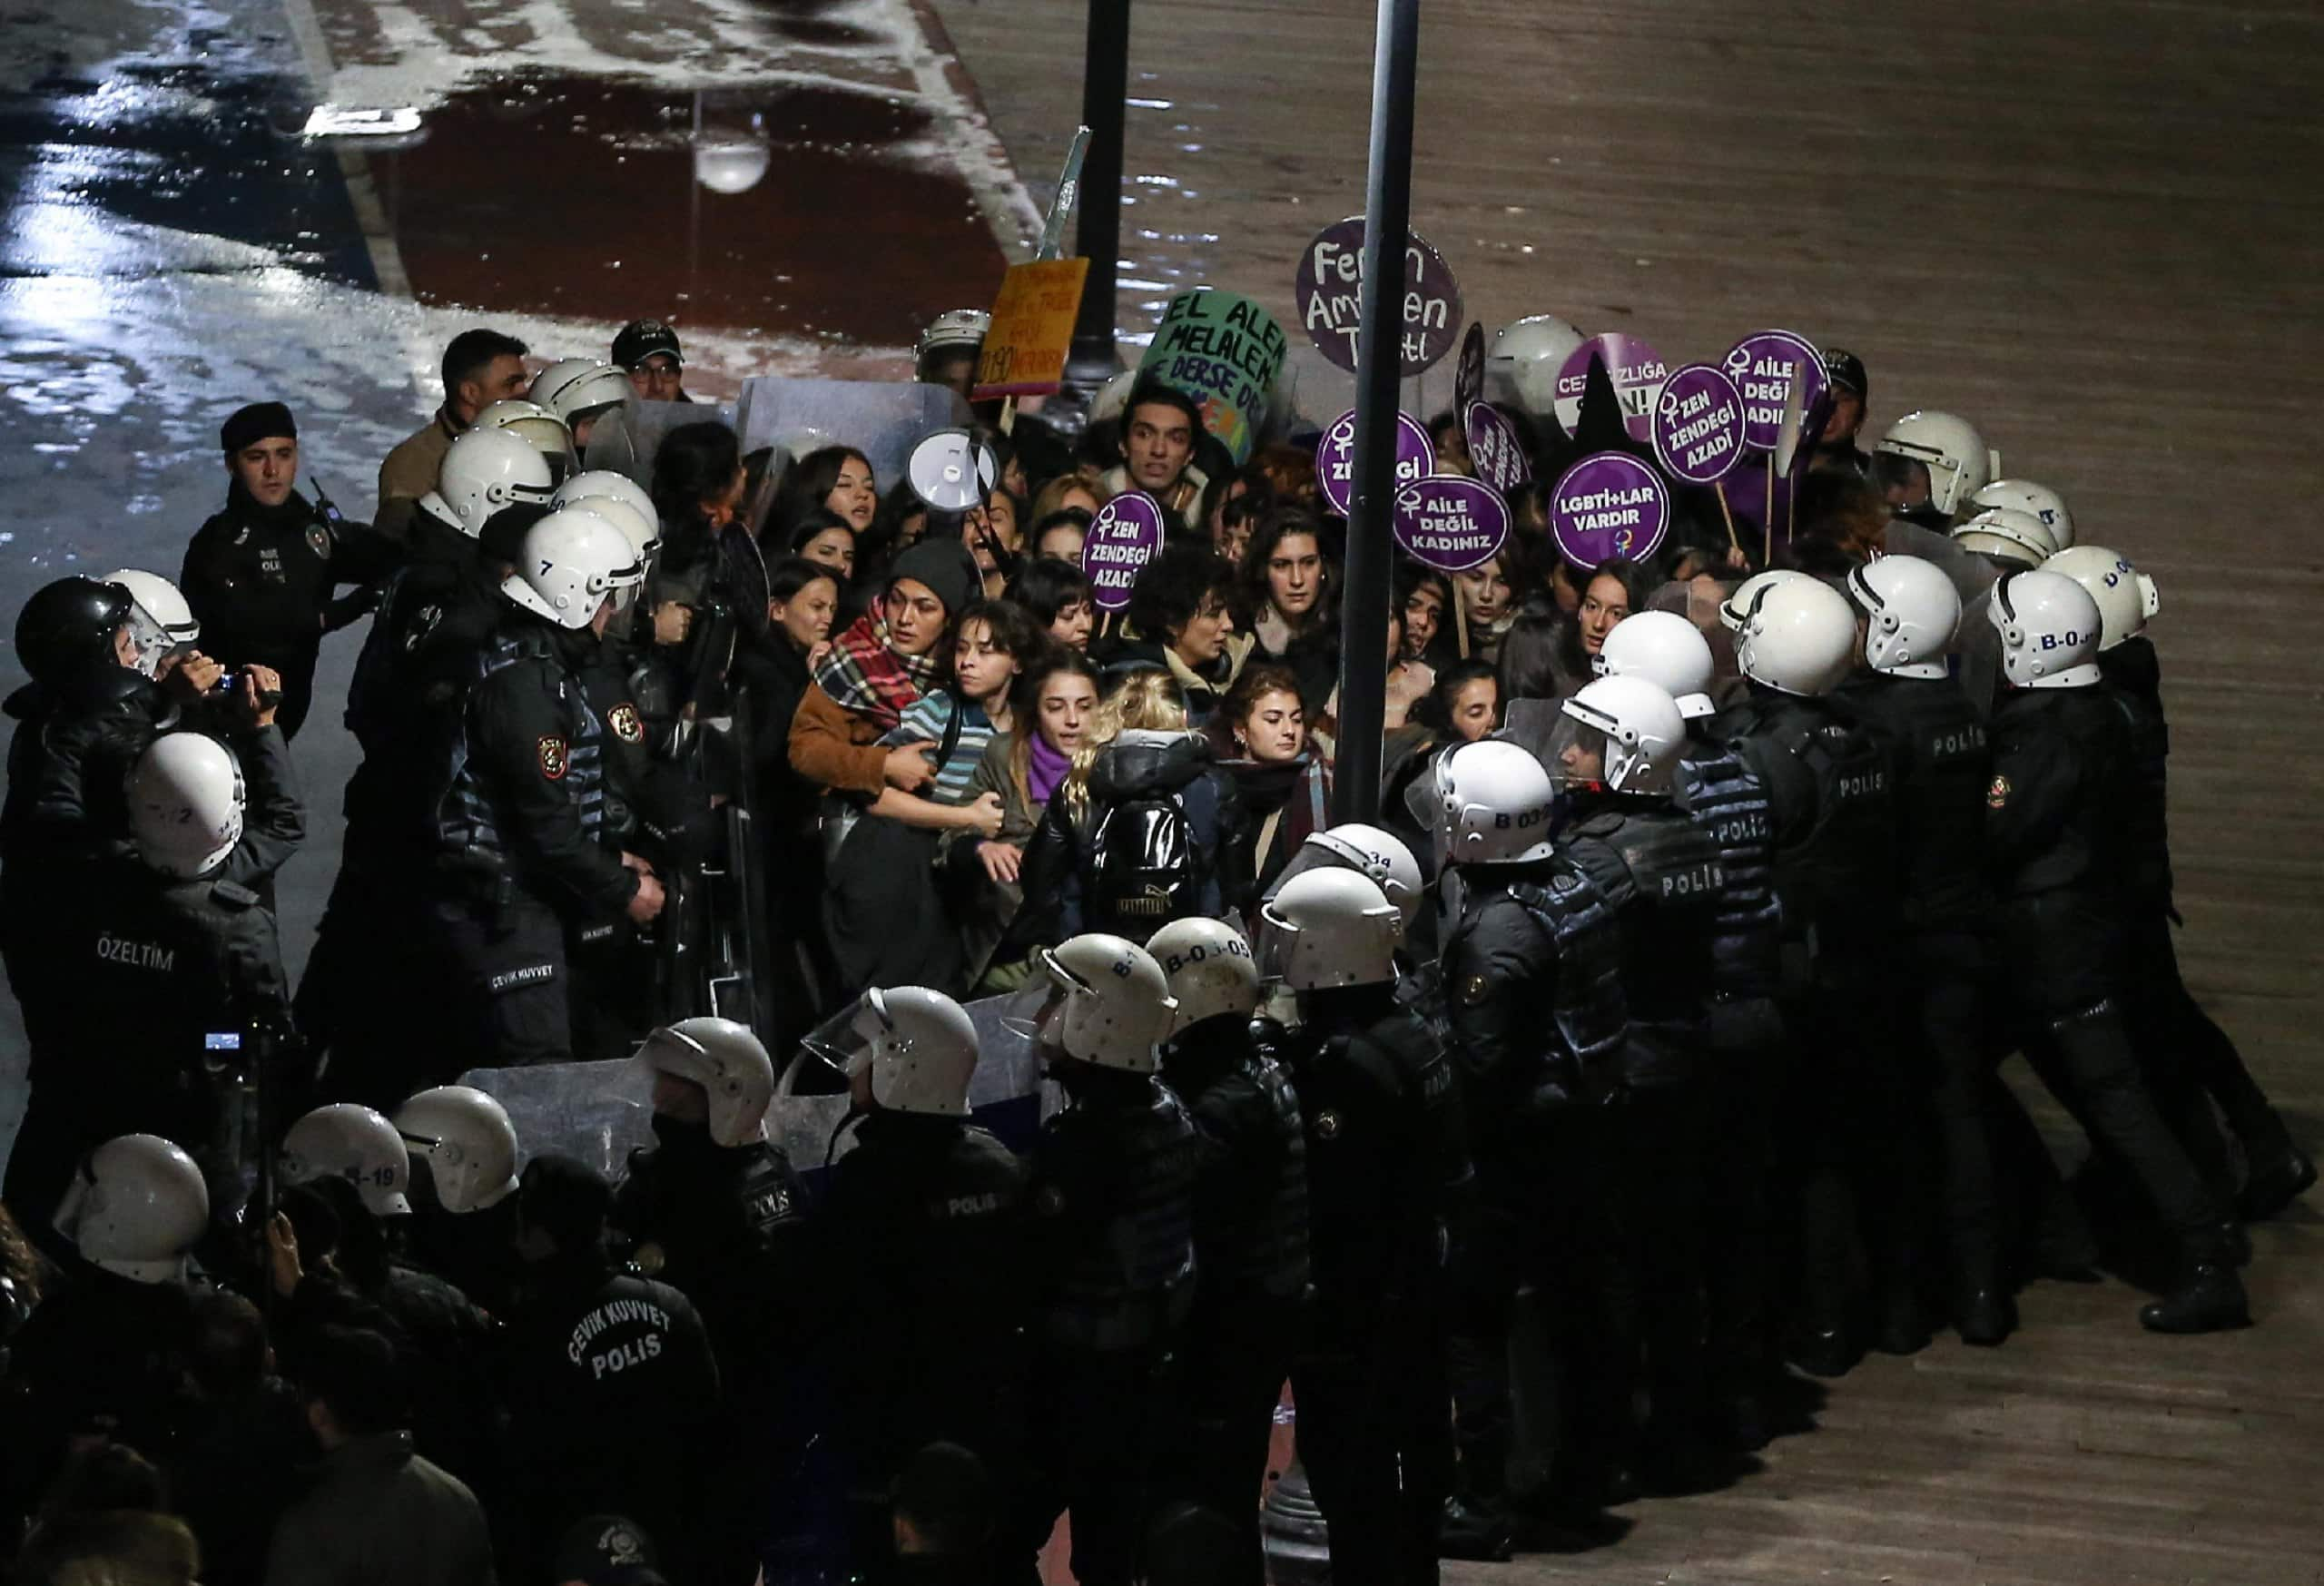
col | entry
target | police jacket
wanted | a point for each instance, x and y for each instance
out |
(1386, 1160)
(1727, 802)
(1659, 872)
(1935, 742)
(1251, 1178)
(523, 782)
(259, 579)
(2133, 675)
(100, 1352)
(1112, 1179)
(2057, 828)
(71, 752)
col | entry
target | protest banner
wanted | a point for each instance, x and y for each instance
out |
(1495, 449)
(1329, 292)
(1225, 351)
(1608, 504)
(1336, 458)
(1031, 330)
(1763, 365)
(1450, 523)
(1699, 425)
(1638, 372)
(1469, 373)
(1127, 533)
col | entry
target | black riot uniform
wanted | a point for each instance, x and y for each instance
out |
(613, 993)
(1381, 1101)
(2176, 1038)
(1114, 1267)
(260, 580)
(1251, 1251)
(521, 856)
(147, 968)
(2057, 834)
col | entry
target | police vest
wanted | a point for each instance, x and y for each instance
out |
(468, 818)
(1726, 803)
(1125, 1285)
(1272, 1260)
(1835, 878)
(1661, 875)
(2134, 683)
(1589, 1007)
(2090, 851)
(1944, 768)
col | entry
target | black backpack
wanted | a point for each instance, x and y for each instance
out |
(1143, 869)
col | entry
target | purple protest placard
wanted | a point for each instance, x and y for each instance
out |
(1495, 449)
(1469, 372)
(1336, 458)
(1123, 537)
(1638, 371)
(1763, 365)
(1329, 290)
(1450, 523)
(1699, 425)
(1608, 504)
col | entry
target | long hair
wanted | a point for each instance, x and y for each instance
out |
(1280, 522)
(811, 479)
(1025, 708)
(1148, 699)
(693, 464)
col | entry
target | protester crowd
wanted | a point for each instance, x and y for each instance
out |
(1640, 1057)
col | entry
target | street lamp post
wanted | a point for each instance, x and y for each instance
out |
(1104, 88)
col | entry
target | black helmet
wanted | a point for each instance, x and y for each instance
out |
(67, 628)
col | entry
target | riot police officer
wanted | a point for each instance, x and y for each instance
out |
(1380, 1102)
(521, 857)
(463, 1222)
(1250, 1219)
(1113, 1254)
(2058, 849)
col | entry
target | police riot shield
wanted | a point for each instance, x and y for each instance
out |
(596, 1113)
(1532, 725)
(881, 419)
(627, 438)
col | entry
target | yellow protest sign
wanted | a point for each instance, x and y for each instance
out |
(1032, 329)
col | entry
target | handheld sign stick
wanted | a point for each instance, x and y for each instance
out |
(1727, 513)
(1460, 613)
(1786, 452)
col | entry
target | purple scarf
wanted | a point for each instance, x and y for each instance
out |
(1045, 770)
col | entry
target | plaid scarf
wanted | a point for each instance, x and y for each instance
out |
(862, 674)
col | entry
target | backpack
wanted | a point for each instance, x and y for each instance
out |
(1144, 869)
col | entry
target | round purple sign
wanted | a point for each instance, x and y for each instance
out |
(1638, 371)
(1495, 449)
(1763, 365)
(1450, 523)
(1608, 504)
(1699, 425)
(1469, 372)
(1127, 533)
(1336, 458)
(1329, 294)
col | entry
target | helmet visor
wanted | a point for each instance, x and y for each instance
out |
(1904, 481)
(149, 641)
(1036, 1010)
(842, 1044)
(1277, 947)
(1577, 756)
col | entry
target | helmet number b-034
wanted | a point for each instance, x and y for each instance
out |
(1502, 820)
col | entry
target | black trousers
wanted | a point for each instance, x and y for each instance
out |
(1238, 1353)
(1374, 1436)
(1741, 1088)
(1099, 1434)
(1946, 1018)
(2172, 1032)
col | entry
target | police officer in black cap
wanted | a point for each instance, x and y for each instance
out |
(1835, 450)
(260, 575)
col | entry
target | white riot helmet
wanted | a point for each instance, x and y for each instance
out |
(2126, 597)
(954, 331)
(918, 1046)
(484, 471)
(1911, 613)
(537, 427)
(1732, 610)
(159, 602)
(1494, 801)
(136, 1207)
(1799, 636)
(185, 805)
(1103, 1001)
(1640, 733)
(467, 1142)
(1210, 969)
(2026, 495)
(2007, 535)
(1523, 363)
(1329, 928)
(1665, 649)
(644, 542)
(1958, 462)
(2048, 628)
(579, 388)
(1113, 398)
(1378, 853)
(354, 1143)
(728, 1062)
(605, 483)
(574, 562)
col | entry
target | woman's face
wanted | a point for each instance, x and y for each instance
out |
(1423, 611)
(1565, 587)
(998, 519)
(1452, 451)
(1277, 729)
(1603, 604)
(833, 548)
(1073, 624)
(1204, 638)
(1079, 495)
(1012, 478)
(854, 497)
(1487, 588)
(1068, 705)
(724, 504)
(915, 617)
(1062, 541)
(912, 529)
(1296, 575)
(806, 617)
(983, 668)
(1475, 704)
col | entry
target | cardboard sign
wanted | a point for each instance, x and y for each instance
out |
(1225, 352)
(1450, 523)
(1329, 291)
(1699, 425)
(1469, 373)
(1032, 329)
(1336, 458)
(1638, 372)
(1495, 448)
(1608, 504)
(1763, 365)
(1123, 537)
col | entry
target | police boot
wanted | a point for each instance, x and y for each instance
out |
(1985, 1316)
(1476, 1534)
(2274, 1182)
(1904, 1323)
(2210, 1301)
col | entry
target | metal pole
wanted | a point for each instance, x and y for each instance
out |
(1364, 610)
(1105, 86)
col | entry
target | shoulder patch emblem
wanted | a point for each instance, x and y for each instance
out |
(1327, 1124)
(423, 623)
(552, 753)
(1997, 795)
(622, 720)
(318, 540)
(1473, 988)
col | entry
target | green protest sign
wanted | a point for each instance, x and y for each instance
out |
(1225, 352)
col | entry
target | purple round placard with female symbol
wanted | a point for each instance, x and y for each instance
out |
(1638, 372)
(1122, 539)
(1450, 522)
(1763, 365)
(1336, 458)
(1495, 449)
(1608, 504)
(1699, 425)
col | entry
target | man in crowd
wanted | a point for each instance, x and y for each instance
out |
(480, 368)
(648, 352)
